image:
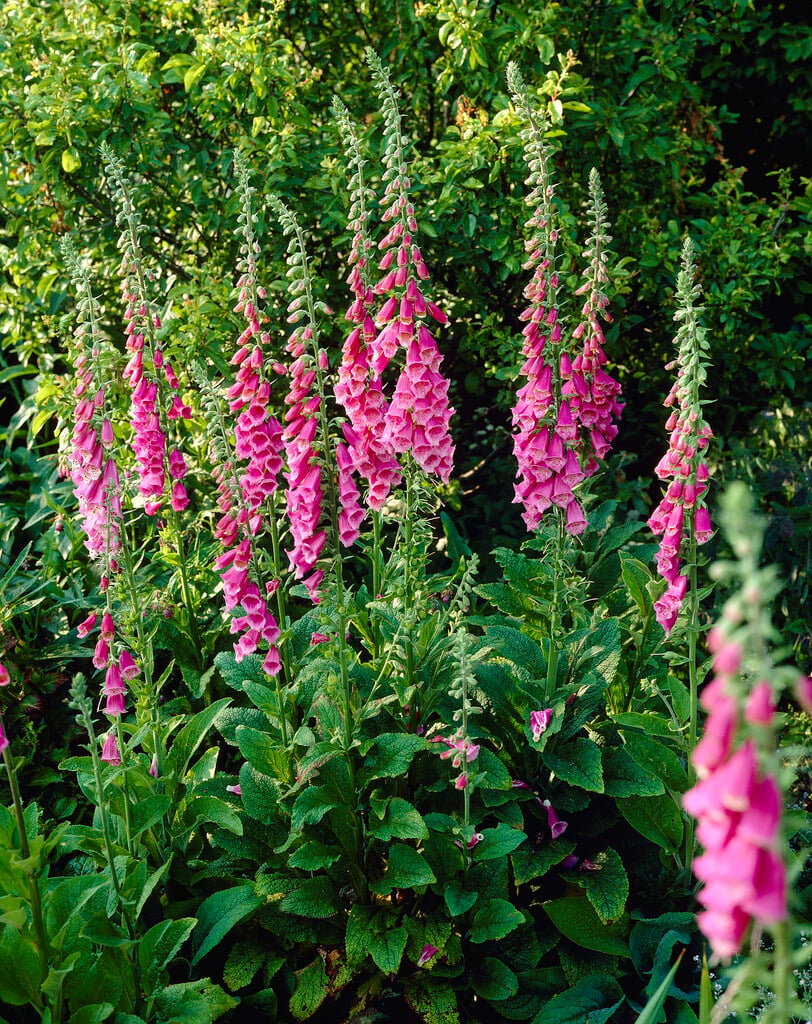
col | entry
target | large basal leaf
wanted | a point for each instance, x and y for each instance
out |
(496, 842)
(191, 736)
(311, 806)
(219, 913)
(657, 758)
(312, 986)
(577, 919)
(436, 1003)
(457, 899)
(157, 947)
(655, 817)
(592, 999)
(495, 920)
(390, 756)
(406, 870)
(623, 776)
(312, 897)
(263, 753)
(532, 862)
(494, 980)
(577, 762)
(607, 887)
(401, 821)
(387, 949)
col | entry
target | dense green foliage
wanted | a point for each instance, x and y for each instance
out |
(348, 853)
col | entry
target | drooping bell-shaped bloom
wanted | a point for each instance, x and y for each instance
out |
(557, 826)
(110, 752)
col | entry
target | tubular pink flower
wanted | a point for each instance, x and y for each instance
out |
(87, 624)
(110, 752)
(539, 721)
(557, 826)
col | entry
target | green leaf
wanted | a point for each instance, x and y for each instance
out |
(491, 773)
(653, 1008)
(94, 1014)
(390, 756)
(606, 888)
(406, 870)
(436, 1003)
(314, 856)
(531, 862)
(193, 75)
(20, 977)
(71, 161)
(495, 921)
(312, 897)
(657, 758)
(496, 842)
(244, 960)
(157, 947)
(457, 899)
(219, 913)
(401, 821)
(592, 999)
(191, 1002)
(312, 986)
(577, 762)
(656, 818)
(705, 993)
(387, 949)
(262, 753)
(494, 980)
(311, 806)
(148, 812)
(359, 933)
(191, 736)
(623, 776)
(576, 918)
(636, 576)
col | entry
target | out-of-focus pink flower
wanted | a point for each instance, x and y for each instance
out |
(803, 693)
(318, 638)
(4, 676)
(236, 790)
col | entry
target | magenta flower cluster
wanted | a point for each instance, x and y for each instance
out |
(149, 436)
(738, 807)
(242, 492)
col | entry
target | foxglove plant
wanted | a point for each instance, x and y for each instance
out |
(418, 417)
(593, 396)
(682, 518)
(545, 444)
(738, 799)
(359, 388)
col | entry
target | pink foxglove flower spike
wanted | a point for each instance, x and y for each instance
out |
(681, 519)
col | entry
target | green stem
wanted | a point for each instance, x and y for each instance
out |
(376, 582)
(408, 590)
(782, 973)
(43, 949)
(693, 631)
(125, 788)
(552, 658)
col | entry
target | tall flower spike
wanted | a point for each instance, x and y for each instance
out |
(545, 443)
(359, 388)
(594, 396)
(302, 420)
(737, 801)
(155, 398)
(417, 419)
(682, 516)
